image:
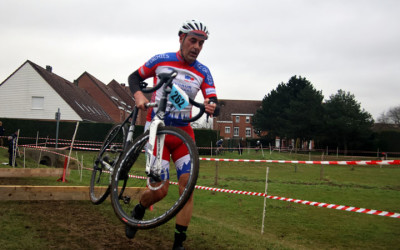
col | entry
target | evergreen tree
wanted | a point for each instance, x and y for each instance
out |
(292, 110)
(346, 124)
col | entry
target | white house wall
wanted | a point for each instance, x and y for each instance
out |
(17, 92)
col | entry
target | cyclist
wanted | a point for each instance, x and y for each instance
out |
(258, 146)
(219, 146)
(192, 77)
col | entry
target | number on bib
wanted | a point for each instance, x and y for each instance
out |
(178, 97)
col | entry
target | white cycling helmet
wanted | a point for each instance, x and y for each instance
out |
(194, 27)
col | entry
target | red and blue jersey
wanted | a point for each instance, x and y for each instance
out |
(191, 78)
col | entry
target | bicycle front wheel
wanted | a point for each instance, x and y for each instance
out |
(128, 184)
(104, 163)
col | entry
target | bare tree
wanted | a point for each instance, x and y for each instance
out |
(391, 117)
(383, 118)
(394, 115)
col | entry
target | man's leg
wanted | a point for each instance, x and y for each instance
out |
(10, 157)
(181, 158)
(184, 216)
(148, 198)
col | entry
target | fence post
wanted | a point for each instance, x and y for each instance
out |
(321, 174)
(216, 173)
(15, 149)
(265, 200)
(72, 144)
(24, 157)
(81, 167)
(262, 150)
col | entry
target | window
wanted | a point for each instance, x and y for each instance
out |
(237, 118)
(37, 102)
(236, 131)
(247, 119)
(227, 130)
(248, 132)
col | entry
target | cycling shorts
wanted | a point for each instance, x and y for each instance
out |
(175, 149)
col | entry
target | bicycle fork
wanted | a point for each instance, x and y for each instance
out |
(154, 151)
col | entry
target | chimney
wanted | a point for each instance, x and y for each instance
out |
(49, 68)
(123, 84)
(76, 82)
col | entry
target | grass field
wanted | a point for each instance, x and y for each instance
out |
(233, 221)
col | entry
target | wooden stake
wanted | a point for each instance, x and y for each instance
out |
(265, 200)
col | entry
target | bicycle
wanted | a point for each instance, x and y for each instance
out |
(112, 148)
(129, 176)
(219, 150)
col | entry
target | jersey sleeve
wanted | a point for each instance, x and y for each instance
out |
(207, 87)
(149, 68)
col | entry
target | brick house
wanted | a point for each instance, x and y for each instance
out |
(108, 99)
(115, 98)
(125, 93)
(235, 119)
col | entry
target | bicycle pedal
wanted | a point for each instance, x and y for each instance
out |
(106, 158)
(126, 199)
(154, 179)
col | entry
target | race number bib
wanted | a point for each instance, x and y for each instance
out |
(178, 97)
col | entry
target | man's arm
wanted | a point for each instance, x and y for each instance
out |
(134, 81)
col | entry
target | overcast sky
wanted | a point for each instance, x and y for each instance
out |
(353, 45)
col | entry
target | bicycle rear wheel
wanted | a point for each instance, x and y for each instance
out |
(129, 182)
(104, 163)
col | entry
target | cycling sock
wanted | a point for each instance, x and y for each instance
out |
(180, 235)
(139, 211)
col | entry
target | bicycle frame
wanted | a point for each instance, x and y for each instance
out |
(129, 135)
(153, 166)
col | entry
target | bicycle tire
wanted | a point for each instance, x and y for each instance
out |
(133, 163)
(110, 153)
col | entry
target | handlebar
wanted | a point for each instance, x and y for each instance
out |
(200, 106)
(166, 79)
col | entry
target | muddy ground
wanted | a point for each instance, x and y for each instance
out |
(79, 225)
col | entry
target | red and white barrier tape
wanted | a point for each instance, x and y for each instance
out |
(360, 163)
(379, 162)
(53, 139)
(43, 149)
(78, 144)
(304, 202)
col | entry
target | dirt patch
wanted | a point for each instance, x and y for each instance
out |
(75, 225)
(82, 225)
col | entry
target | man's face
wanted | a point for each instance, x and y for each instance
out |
(191, 47)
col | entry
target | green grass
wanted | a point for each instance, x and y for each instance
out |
(232, 221)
